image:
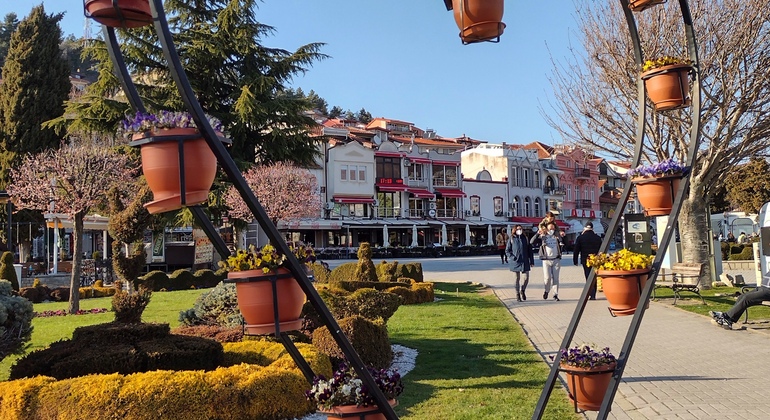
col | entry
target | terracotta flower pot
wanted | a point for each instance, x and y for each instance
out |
(623, 288)
(127, 14)
(341, 412)
(255, 300)
(656, 195)
(478, 20)
(160, 165)
(669, 86)
(639, 5)
(588, 385)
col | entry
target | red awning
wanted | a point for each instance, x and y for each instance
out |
(446, 162)
(389, 154)
(451, 193)
(353, 199)
(391, 188)
(418, 160)
(421, 193)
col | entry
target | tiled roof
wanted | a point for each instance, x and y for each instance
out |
(544, 151)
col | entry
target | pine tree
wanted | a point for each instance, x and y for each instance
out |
(35, 86)
(6, 30)
(748, 187)
(364, 116)
(335, 112)
(235, 78)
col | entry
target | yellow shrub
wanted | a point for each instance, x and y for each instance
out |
(237, 392)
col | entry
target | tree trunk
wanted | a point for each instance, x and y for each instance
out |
(77, 258)
(693, 230)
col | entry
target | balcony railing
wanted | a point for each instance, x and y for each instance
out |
(445, 183)
(555, 190)
(417, 182)
(583, 204)
(416, 213)
(446, 213)
(582, 173)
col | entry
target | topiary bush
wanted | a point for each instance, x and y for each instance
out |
(120, 348)
(408, 295)
(372, 304)
(368, 338)
(154, 280)
(213, 332)
(747, 253)
(7, 272)
(244, 391)
(35, 294)
(129, 306)
(15, 321)
(365, 270)
(343, 272)
(321, 273)
(411, 270)
(386, 272)
(219, 306)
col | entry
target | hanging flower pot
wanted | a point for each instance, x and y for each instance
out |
(623, 288)
(479, 20)
(120, 14)
(344, 395)
(257, 274)
(623, 275)
(656, 185)
(342, 412)
(656, 195)
(588, 374)
(639, 5)
(587, 386)
(177, 162)
(667, 82)
(254, 291)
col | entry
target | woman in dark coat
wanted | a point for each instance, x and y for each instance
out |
(520, 259)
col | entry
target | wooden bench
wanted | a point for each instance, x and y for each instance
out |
(746, 289)
(682, 275)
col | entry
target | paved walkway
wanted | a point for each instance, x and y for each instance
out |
(681, 365)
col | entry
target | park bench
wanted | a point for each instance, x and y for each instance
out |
(684, 277)
(746, 289)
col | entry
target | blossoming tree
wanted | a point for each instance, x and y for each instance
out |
(285, 191)
(75, 178)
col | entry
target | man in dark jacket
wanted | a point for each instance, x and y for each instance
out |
(586, 244)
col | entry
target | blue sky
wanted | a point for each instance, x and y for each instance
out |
(408, 63)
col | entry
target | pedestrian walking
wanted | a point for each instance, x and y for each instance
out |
(550, 255)
(588, 243)
(519, 253)
(501, 239)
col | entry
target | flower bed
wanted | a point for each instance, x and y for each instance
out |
(63, 312)
(271, 387)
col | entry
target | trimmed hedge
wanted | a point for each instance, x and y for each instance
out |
(386, 272)
(320, 272)
(418, 293)
(213, 332)
(121, 348)
(182, 280)
(343, 272)
(274, 389)
(368, 338)
(412, 270)
(747, 253)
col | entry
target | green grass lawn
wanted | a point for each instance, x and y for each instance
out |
(474, 360)
(717, 299)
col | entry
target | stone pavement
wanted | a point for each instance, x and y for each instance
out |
(681, 366)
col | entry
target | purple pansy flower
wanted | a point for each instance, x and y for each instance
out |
(663, 168)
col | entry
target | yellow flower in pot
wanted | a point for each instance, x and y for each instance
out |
(260, 277)
(667, 82)
(623, 275)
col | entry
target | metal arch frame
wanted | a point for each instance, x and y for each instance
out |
(236, 177)
(669, 230)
